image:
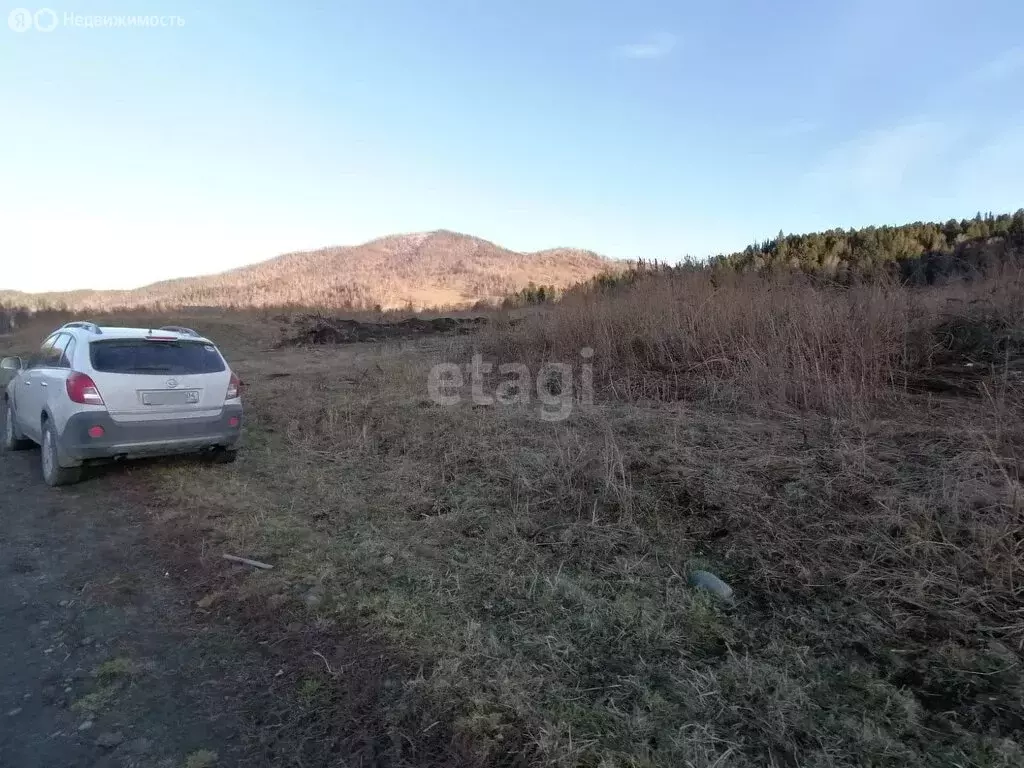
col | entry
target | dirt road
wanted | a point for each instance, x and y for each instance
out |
(102, 658)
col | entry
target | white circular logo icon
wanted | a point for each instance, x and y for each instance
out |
(45, 20)
(20, 19)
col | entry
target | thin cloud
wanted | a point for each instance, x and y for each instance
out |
(656, 47)
(880, 164)
(1003, 66)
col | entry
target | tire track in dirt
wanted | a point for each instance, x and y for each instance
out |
(108, 662)
(101, 660)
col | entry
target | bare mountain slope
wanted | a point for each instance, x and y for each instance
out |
(424, 269)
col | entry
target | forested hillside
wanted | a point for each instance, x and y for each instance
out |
(917, 251)
(445, 268)
(427, 269)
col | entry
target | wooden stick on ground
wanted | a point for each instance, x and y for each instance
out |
(247, 561)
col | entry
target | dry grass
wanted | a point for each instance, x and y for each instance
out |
(540, 569)
(537, 570)
(741, 339)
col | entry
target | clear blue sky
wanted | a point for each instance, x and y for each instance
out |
(634, 128)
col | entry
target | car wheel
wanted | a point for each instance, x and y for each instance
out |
(224, 456)
(12, 440)
(53, 473)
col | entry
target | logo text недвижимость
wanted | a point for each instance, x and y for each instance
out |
(47, 20)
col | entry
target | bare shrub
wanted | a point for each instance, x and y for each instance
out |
(786, 340)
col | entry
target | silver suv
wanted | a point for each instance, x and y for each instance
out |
(95, 394)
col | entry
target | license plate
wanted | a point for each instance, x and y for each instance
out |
(183, 397)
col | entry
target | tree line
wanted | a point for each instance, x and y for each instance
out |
(917, 253)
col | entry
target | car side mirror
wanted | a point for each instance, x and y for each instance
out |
(11, 364)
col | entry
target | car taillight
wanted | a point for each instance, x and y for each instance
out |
(82, 389)
(234, 388)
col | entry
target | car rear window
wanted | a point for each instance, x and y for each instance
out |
(143, 356)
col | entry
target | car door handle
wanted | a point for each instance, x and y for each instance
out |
(43, 384)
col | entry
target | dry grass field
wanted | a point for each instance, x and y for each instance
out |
(849, 460)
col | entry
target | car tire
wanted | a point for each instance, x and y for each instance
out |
(224, 456)
(49, 458)
(12, 439)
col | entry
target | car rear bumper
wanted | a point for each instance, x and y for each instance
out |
(147, 438)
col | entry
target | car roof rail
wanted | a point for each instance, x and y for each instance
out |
(91, 327)
(179, 329)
